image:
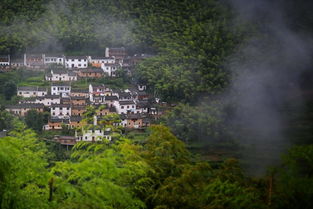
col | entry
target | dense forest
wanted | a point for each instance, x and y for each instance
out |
(232, 72)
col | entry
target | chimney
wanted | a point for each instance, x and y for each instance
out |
(95, 122)
(107, 54)
(25, 63)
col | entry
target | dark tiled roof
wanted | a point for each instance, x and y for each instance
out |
(143, 104)
(76, 57)
(71, 73)
(92, 70)
(124, 94)
(59, 71)
(117, 48)
(126, 102)
(80, 90)
(60, 105)
(25, 105)
(101, 58)
(42, 89)
(50, 97)
(78, 98)
(111, 98)
(4, 58)
(75, 118)
(17, 60)
(59, 120)
(81, 107)
(27, 88)
(112, 109)
(54, 55)
(34, 56)
(112, 64)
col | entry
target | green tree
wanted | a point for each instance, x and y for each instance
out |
(23, 174)
(205, 121)
(9, 90)
(6, 120)
(34, 120)
(101, 175)
(293, 182)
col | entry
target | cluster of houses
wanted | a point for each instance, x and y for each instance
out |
(85, 66)
(135, 107)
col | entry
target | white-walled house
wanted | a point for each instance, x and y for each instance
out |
(96, 61)
(110, 68)
(61, 75)
(141, 87)
(54, 59)
(124, 107)
(99, 89)
(22, 109)
(94, 134)
(109, 100)
(4, 60)
(60, 110)
(48, 100)
(124, 96)
(31, 91)
(62, 89)
(76, 62)
(142, 107)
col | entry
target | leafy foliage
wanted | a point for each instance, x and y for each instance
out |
(23, 174)
(206, 121)
(9, 89)
(295, 179)
(34, 120)
(6, 120)
(107, 177)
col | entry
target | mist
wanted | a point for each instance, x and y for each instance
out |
(266, 70)
(64, 27)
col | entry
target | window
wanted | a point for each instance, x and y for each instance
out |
(86, 137)
(127, 106)
(122, 107)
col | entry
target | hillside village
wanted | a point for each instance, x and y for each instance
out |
(133, 106)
